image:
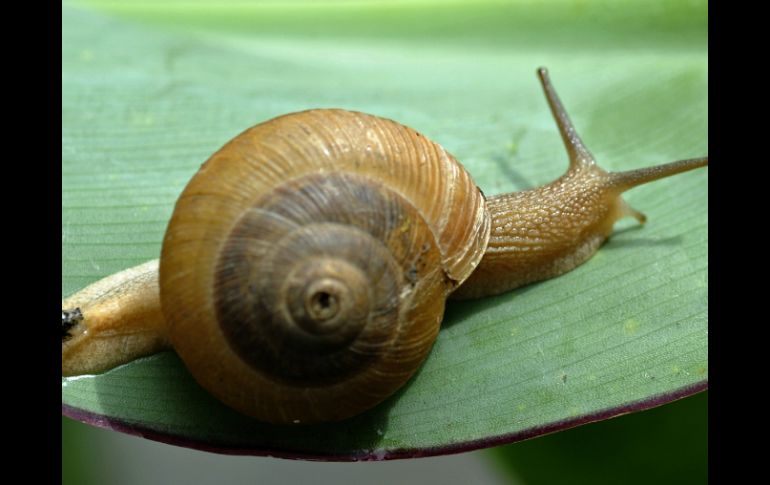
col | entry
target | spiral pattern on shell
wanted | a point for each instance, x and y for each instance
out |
(305, 268)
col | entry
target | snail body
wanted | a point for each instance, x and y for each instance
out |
(304, 272)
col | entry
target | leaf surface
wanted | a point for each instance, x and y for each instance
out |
(151, 89)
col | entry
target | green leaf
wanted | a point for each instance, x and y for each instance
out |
(151, 89)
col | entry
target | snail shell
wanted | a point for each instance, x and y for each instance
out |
(305, 268)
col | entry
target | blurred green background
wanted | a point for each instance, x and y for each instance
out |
(665, 445)
(668, 444)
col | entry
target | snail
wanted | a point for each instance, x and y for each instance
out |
(305, 268)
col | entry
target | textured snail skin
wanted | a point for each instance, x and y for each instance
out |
(305, 269)
(542, 233)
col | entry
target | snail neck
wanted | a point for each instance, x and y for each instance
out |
(545, 232)
(542, 233)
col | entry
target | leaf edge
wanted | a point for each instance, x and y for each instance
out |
(115, 424)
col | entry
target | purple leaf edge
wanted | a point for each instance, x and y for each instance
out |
(101, 421)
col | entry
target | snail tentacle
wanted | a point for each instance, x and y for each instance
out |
(579, 155)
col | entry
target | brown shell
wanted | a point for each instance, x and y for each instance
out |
(306, 265)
